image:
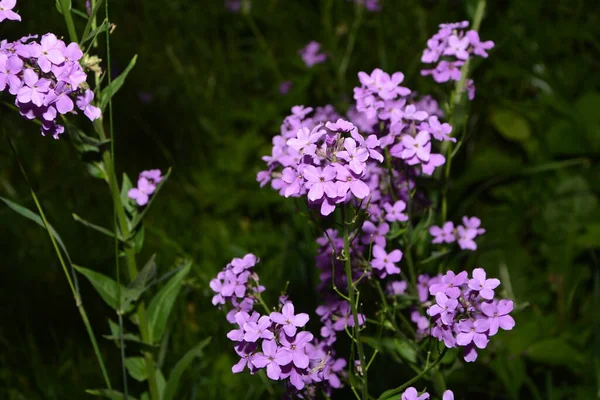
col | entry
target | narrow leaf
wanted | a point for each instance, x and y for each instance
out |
(92, 35)
(38, 220)
(107, 288)
(181, 367)
(109, 394)
(109, 91)
(162, 303)
(94, 226)
(142, 282)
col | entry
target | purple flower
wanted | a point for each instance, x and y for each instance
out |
(285, 87)
(260, 329)
(155, 176)
(84, 104)
(245, 351)
(479, 47)
(375, 233)
(457, 47)
(386, 262)
(6, 11)
(484, 286)
(305, 140)
(241, 318)
(272, 357)
(355, 156)
(10, 66)
(444, 306)
(35, 89)
(445, 234)
(450, 284)
(321, 181)
(296, 346)
(347, 180)
(289, 320)
(448, 395)
(142, 193)
(473, 332)
(473, 224)
(48, 52)
(419, 146)
(465, 238)
(310, 54)
(412, 394)
(498, 315)
(394, 212)
(411, 113)
(435, 160)
(396, 288)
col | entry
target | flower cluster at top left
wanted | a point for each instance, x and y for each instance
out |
(44, 76)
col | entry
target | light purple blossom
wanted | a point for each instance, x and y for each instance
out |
(384, 262)
(311, 54)
(289, 320)
(273, 358)
(6, 11)
(484, 286)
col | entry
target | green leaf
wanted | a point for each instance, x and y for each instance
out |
(106, 287)
(138, 239)
(556, 351)
(38, 220)
(131, 339)
(511, 125)
(109, 394)
(181, 367)
(141, 282)
(125, 200)
(92, 35)
(136, 366)
(162, 303)
(94, 226)
(109, 91)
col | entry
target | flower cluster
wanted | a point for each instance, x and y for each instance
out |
(237, 286)
(274, 341)
(46, 79)
(6, 10)
(450, 48)
(465, 311)
(463, 234)
(311, 54)
(327, 163)
(410, 130)
(412, 394)
(146, 185)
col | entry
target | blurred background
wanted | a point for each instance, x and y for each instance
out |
(204, 99)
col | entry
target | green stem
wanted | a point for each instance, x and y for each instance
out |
(351, 294)
(124, 227)
(394, 392)
(69, 20)
(455, 100)
(76, 295)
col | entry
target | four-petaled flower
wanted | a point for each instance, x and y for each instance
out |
(498, 315)
(484, 286)
(288, 319)
(272, 357)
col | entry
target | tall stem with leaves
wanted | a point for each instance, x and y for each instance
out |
(352, 294)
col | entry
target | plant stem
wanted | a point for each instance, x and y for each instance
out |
(394, 392)
(69, 20)
(77, 297)
(125, 229)
(351, 294)
(455, 100)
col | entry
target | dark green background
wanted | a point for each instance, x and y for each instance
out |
(215, 106)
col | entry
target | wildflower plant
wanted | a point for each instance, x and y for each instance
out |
(50, 80)
(364, 173)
